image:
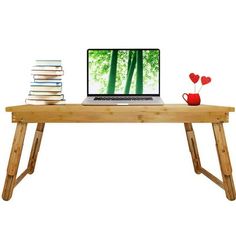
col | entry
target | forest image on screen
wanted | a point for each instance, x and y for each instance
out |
(123, 71)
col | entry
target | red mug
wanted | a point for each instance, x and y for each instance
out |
(193, 99)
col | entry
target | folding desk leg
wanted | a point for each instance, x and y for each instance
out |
(224, 160)
(14, 160)
(193, 147)
(35, 147)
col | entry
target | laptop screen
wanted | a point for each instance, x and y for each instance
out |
(123, 72)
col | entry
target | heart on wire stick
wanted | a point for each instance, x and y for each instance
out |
(205, 80)
(194, 78)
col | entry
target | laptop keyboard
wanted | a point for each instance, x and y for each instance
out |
(130, 98)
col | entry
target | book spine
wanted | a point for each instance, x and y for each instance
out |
(46, 83)
(45, 77)
(46, 89)
(46, 93)
(43, 102)
(46, 97)
(54, 68)
(47, 72)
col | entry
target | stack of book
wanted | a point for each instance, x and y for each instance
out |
(47, 86)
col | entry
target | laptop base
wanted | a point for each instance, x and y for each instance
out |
(90, 101)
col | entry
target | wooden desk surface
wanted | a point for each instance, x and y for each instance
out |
(78, 113)
(179, 113)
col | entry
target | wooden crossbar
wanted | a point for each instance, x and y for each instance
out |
(212, 178)
(21, 176)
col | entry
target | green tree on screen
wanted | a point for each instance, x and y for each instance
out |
(139, 80)
(112, 75)
(115, 70)
(130, 71)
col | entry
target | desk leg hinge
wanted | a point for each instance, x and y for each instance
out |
(35, 147)
(192, 143)
(11, 177)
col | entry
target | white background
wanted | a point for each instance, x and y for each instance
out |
(118, 179)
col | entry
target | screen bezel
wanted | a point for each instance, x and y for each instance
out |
(149, 94)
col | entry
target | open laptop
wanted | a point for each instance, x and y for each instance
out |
(123, 77)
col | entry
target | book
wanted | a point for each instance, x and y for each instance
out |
(43, 102)
(48, 62)
(47, 72)
(47, 77)
(40, 93)
(47, 80)
(46, 88)
(57, 68)
(46, 83)
(45, 93)
(46, 97)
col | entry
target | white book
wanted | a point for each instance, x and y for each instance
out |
(43, 102)
(48, 62)
(46, 97)
(47, 80)
(47, 77)
(46, 88)
(57, 68)
(47, 72)
(46, 83)
(40, 93)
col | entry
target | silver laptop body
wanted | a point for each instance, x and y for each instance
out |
(123, 77)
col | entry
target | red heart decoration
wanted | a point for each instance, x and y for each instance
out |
(194, 78)
(205, 80)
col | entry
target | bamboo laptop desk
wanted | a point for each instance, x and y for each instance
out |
(77, 113)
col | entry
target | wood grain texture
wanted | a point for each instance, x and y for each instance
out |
(17, 147)
(35, 147)
(222, 148)
(192, 143)
(21, 176)
(224, 160)
(212, 177)
(72, 113)
(8, 187)
(14, 160)
(82, 108)
(79, 113)
(112, 117)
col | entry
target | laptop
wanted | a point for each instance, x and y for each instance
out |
(123, 77)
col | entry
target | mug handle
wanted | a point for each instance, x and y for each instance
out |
(185, 94)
